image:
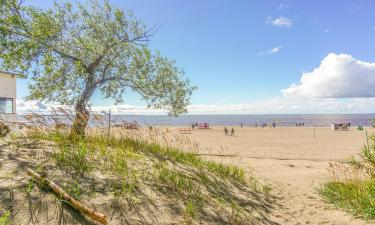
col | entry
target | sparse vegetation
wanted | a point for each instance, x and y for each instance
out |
(353, 188)
(139, 166)
(4, 218)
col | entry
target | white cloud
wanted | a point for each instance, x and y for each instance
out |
(341, 84)
(283, 6)
(338, 76)
(327, 30)
(24, 107)
(271, 51)
(276, 105)
(280, 22)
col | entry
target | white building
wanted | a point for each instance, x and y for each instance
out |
(8, 93)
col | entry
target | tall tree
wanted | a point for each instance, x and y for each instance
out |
(70, 51)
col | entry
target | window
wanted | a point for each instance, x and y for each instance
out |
(6, 105)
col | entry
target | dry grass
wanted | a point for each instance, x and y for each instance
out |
(147, 171)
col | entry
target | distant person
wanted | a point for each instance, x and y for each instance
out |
(256, 125)
(192, 126)
(303, 124)
(225, 131)
(241, 125)
(232, 132)
(273, 125)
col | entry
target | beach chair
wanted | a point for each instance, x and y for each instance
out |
(203, 126)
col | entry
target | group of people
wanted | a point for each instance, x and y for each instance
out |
(194, 125)
(226, 131)
(263, 125)
(300, 124)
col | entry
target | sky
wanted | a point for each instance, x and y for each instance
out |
(261, 57)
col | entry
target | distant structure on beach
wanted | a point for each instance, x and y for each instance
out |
(340, 126)
(8, 93)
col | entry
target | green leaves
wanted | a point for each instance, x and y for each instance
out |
(74, 49)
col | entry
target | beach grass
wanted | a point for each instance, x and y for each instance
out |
(151, 160)
(4, 218)
(355, 192)
(357, 198)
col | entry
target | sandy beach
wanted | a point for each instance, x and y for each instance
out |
(292, 161)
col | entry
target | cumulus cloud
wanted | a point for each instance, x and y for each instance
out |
(341, 84)
(338, 76)
(281, 22)
(271, 51)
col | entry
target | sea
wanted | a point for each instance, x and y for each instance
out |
(250, 120)
(236, 120)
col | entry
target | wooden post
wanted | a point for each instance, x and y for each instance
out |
(314, 130)
(109, 123)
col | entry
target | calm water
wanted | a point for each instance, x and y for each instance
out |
(247, 120)
(281, 120)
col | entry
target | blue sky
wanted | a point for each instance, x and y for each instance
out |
(244, 52)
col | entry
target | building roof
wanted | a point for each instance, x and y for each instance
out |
(8, 73)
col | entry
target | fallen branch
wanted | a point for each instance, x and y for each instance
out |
(96, 216)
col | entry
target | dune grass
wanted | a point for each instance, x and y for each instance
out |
(140, 158)
(356, 192)
(357, 198)
(4, 218)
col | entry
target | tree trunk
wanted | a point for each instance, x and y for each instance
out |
(80, 120)
(82, 114)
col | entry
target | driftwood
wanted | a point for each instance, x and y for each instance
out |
(92, 214)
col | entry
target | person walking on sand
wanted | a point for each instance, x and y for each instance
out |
(241, 125)
(273, 125)
(232, 132)
(256, 125)
(225, 131)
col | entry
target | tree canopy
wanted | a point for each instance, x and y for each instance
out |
(72, 50)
